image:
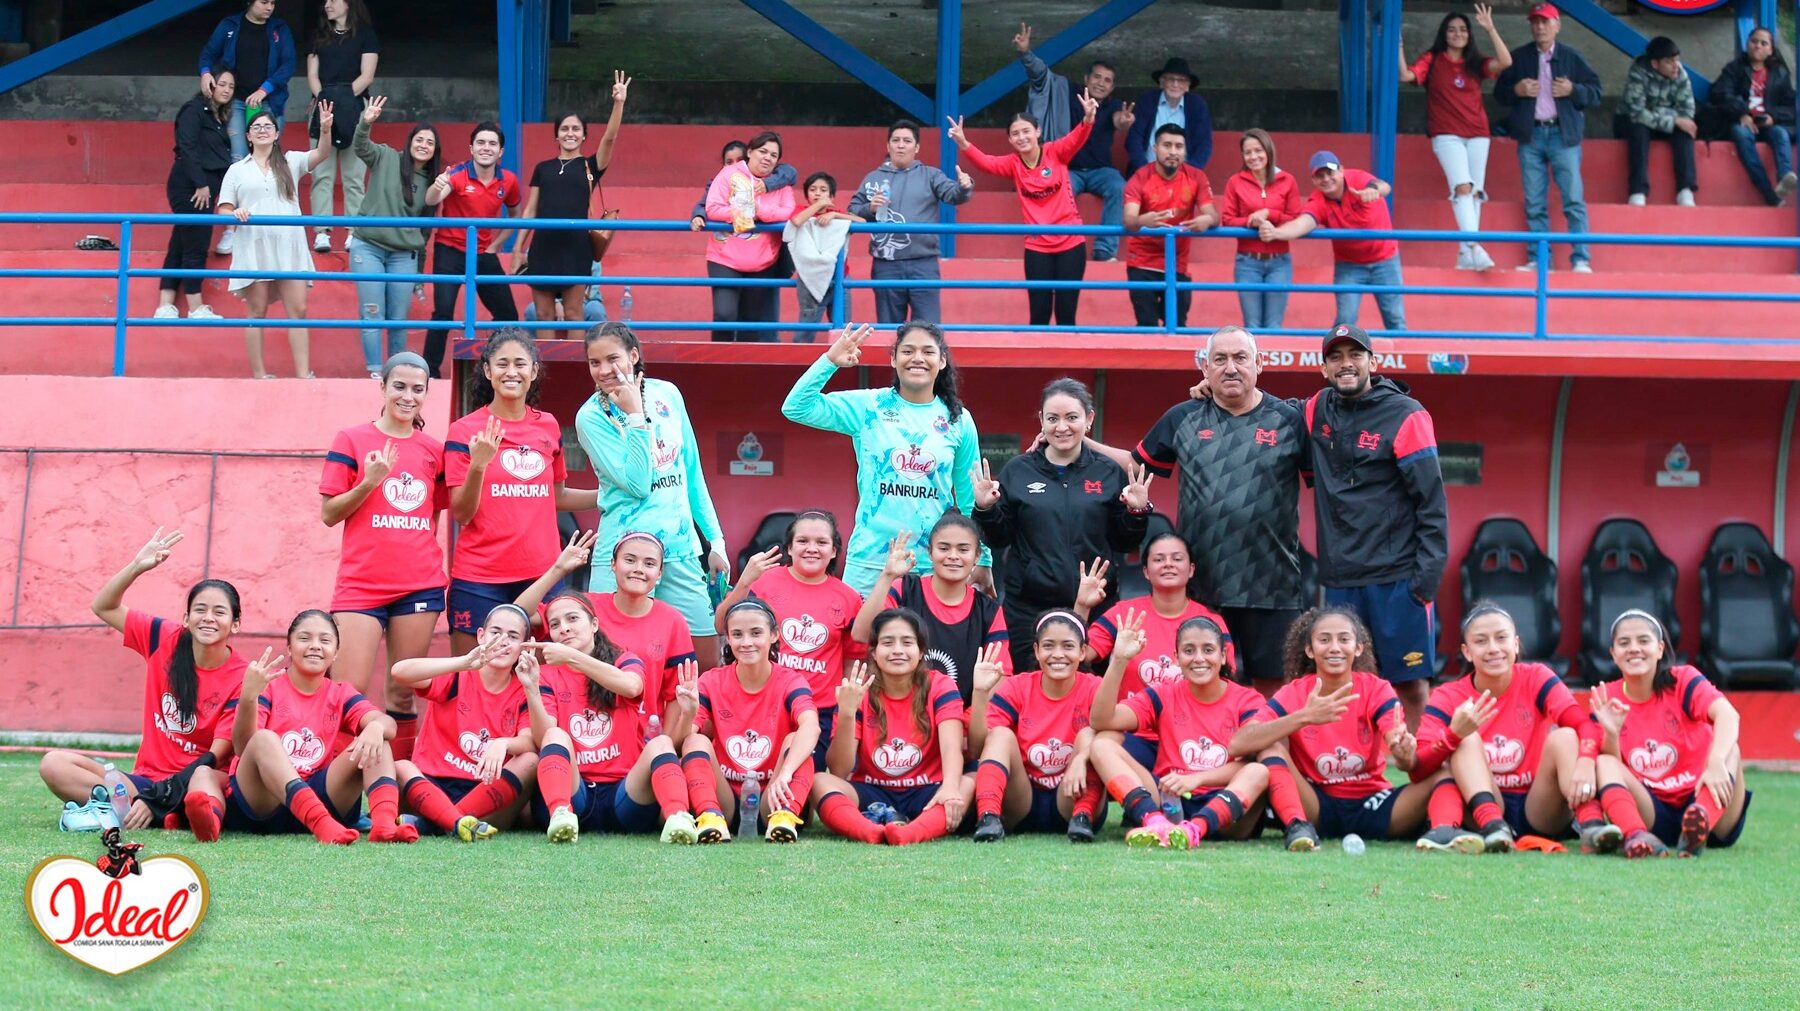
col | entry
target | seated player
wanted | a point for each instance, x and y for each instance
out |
(903, 747)
(1193, 719)
(599, 766)
(1670, 756)
(474, 758)
(752, 718)
(1511, 729)
(1032, 733)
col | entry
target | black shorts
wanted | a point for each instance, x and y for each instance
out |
(1368, 817)
(1514, 802)
(428, 601)
(1044, 815)
(1667, 823)
(240, 817)
(908, 803)
(1257, 634)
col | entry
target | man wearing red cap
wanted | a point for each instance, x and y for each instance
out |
(1544, 93)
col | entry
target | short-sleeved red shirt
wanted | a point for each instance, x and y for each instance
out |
(513, 535)
(904, 758)
(311, 726)
(1191, 735)
(1046, 727)
(390, 542)
(462, 718)
(607, 741)
(1665, 741)
(748, 727)
(1452, 96)
(814, 622)
(1184, 194)
(171, 740)
(1351, 211)
(1346, 759)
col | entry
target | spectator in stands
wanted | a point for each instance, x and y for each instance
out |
(1173, 103)
(1040, 172)
(1261, 193)
(477, 188)
(905, 190)
(1659, 104)
(1545, 91)
(1166, 193)
(1351, 198)
(740, 197)
(267, 182)
(732, 152)
(398, 187)
(815, 236)
(259, 47)
(1451, 72)
(1051, 102)
(340, 70)
(563, 187)
(202, 154)
(1755, 95)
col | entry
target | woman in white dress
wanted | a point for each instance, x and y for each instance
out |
(266, 182)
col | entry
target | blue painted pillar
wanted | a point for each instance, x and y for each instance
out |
(508, 38)
(1353, 66)
(534, 81)
(948, 103)
(1751, 14)
(1385, 83)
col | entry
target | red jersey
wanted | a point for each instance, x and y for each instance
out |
(1345, 759)
(659, 639)
(904, 758)
(1245, 195)
(469, 197)
(748, 727)
(1350, 211)
(1191, 735)
(1185, 194)
(1534, 702)
(1665, 741)
(1045, 197)
(814, 622)
(309, 725)
(390, 542)
(1452, 96)
(170, 741)
(512, 537)
(463, 718)
(1046, 727)
(608, 741)
(1157, 663)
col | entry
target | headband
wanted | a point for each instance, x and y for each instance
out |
(1638, 612)
(641, 535)
(1068, 616)
(514, 608)
(410, 359)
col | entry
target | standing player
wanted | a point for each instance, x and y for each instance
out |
(508, 517)
(384, 481)
(474, 758)
(752, 719)
(1192, 720)
(636, 431)
(959, 620)
(903, 749)
(192, 679)
(477, 188)
(915, 444)
(1670, 756)
(1166, 193)
(1032, 734)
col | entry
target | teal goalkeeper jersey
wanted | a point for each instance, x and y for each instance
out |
(650, 478)
(912, 465)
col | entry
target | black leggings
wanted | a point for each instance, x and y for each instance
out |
(760, 304)
(188, 244)
(497, 297)
(1068, 265)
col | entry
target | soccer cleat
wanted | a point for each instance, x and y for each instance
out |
(991, 829)
(1643, 843)
(1154, 832)
(1599, 836)
(472, 829)
(679, 829)
(1185, 836)
(564, 826)
(1081, 829)
(784, 827)
(97, 815)
(1479, 258)
(1695, 827)
(1300, 836)
(1497, 837)
(1451, 838)
(712, 829)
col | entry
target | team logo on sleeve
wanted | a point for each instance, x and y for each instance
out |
(749, 749)
(473, 743)
(1503, 753)
(590, 727)
(803, 634)
(304, 749)
(120, 912)
(896, 758)
(169, 719)
(522, 462)
(1203, 754)
(1052, 755)
(1653, 759)
(1158, 670)
(1339, 764)
(404, 492)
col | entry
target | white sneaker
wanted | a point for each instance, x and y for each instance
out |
(1637, 200)
(166, 312)
(203, 312)
(1530, 267)
(226, 241)
(1684, 198)
(1787, 185)
(1479, 258)
(1583, 267)
(322, 241)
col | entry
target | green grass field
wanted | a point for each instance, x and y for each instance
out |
(617, 922)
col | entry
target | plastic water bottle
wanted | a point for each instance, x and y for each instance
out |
(751, 801)
(1353, 845)
(653, 729)
(625, 303)
(116, 790)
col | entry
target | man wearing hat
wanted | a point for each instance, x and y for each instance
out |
(1351, 198)
(1172, 102)
(1544, 93)
(1382, 522)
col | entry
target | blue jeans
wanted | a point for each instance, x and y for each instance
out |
(382, 300)
(1109, 186)
(1263, 308)
(1779, 142)
(1542, 156)
(234, 129)
(1384, 272)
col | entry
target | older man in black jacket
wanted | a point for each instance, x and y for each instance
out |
(1545, 93)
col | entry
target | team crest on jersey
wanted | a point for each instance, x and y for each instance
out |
(749, 749)
(590, 727)
(1503, 753)
(522, 462)
(170, 721)
(1368, 440)
(1035, 488)
(912, 462)
(1653, 759)
(1267, 436)
(1052, 755)
(897, 757)
(1158, 670)
(940, 425)
(803, 634)
(404, 492)
(473, 743)
(1203, 754)
(1338, 764)
(662, 408)
(304, 749)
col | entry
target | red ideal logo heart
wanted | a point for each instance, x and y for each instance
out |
(1503, 753)
(589, 727)
(522, 463)
(1051, 756)
(116, 925)
(404, 492)
(803, 634)
(1203, 754)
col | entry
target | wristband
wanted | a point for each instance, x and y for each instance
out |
(1149, 507)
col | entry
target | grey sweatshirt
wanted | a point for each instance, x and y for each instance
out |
(913, 196)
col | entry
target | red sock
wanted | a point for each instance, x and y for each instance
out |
(493, 795)
(384, 814)
(555, 780)
(840, 815)
(1284, 796)
(801, 784)
(1089, 801)
(205, 814)
(702, 788)
(667, 784)
(313, 813)
(431, 803)
(1587, 811)
(1223, 809)
(406, 731)
(1709, 806)
(1445, 807)
(1621, 808)
(1487, 810)
(934, 823)
(990, 786)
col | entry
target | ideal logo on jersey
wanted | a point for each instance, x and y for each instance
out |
(120, 912)
(663, 454)
(522, 462)
(1203, 754)
(1653, 760)
(912, 462)
(1503, 753)
(1052, 755)
(170, 721)
(896, 758)
(1339, 765)
(1159, 670)
(590, 727)
(304, 749)
(473, 743)
(749, 749)
(404, 492)
(803, 634)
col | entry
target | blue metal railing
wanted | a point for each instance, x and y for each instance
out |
(1170, 287)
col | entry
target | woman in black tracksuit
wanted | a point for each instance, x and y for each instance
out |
(202, 154)
(1058, 508)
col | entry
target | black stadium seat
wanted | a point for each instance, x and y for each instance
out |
(768, 535)
(1505, 565)
(1623, 569)
(1748, 631)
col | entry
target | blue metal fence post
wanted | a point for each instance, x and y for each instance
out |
(471, 252)
(1540, 327)
(1171, 298)
(949, 102)
(1386, 98)
(1353, 66)
(840, 299)
(123, 294)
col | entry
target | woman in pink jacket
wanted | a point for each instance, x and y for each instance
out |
(739, 196)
